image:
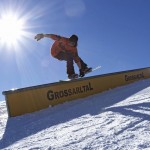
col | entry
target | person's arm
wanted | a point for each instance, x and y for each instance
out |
(52, 36)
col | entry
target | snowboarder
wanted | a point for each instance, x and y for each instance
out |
(66, 49)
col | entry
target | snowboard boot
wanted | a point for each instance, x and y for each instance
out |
(84, 71)
(73, 76)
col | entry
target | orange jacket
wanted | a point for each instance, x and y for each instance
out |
(61, 44)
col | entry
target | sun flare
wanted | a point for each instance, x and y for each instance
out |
(11, 29)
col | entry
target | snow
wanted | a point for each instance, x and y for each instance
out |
(117, 119)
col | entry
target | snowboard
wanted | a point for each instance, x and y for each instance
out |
(93, 69)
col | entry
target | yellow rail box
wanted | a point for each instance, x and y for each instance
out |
(30, 99)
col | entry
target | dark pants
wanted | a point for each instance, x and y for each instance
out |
(69, 58)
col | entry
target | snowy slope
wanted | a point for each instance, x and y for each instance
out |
(113, 120)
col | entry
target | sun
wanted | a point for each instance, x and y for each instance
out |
(11, 29)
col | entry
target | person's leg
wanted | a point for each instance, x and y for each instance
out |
(83, 64)
(69, 63)
(84, 69)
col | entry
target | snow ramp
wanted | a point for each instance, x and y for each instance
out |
(31, 99)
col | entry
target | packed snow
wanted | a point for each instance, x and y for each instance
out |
(118, 119)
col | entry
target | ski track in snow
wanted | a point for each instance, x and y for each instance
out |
(118, 119)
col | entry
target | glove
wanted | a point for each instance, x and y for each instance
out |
(39, 36)
(81, 73)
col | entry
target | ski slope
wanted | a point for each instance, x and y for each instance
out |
(118, 119)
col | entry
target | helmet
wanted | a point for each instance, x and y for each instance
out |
(74, 38)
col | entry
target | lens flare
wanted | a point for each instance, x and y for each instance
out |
(11, 29)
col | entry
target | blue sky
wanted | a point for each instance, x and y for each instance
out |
(112, 33)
